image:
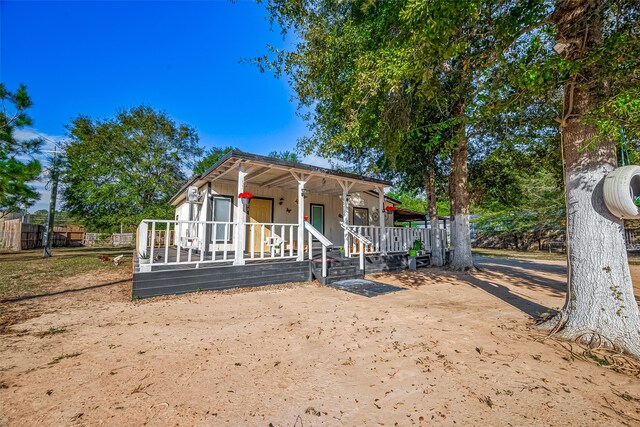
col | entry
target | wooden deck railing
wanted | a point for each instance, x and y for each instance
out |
(272, 240)
(396, 239)
(171, 242)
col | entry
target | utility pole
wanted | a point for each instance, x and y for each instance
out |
(48, 235)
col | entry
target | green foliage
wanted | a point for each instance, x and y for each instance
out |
(409, 200)
(379, 83)
(416, 201)
(61, 217)
(289, 156)
(126, 168)
(210, 158)
(394, 86)
(17, 164)
(536, 203)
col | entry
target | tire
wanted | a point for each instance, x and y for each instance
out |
(621, 187)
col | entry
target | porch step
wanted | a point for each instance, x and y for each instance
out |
(336, 271)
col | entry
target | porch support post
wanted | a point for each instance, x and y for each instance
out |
(346, 186)
(301, 182)
(239, 232)
(383, 233)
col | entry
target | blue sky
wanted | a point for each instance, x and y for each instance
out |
(94, 57)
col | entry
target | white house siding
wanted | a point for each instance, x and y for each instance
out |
(332, 206)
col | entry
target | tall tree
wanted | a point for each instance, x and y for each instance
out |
(126, 168)
(287, 155)
(17, 163)
(357, 62)
(590, 51)
(211, 157)
(600, 301)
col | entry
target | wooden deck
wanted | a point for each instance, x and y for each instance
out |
(169, 279)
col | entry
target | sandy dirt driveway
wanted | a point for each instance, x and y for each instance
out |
(447, 349)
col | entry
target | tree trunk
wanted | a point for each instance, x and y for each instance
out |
(600, 301)
(436, 241)
(460, 239)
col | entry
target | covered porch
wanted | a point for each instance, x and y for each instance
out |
(297, 212)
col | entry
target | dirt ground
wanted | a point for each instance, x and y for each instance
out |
(448, 349)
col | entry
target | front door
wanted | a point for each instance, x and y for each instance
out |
(317, 217)
(260, 211)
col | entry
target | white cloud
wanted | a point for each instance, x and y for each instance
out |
(30, 133)
(45, 158)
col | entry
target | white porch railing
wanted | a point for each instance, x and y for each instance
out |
(171, 242)
(360, 243)
(167, 242)
(272, 240)
(397, 239)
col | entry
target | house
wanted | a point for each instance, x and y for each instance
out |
(252, 220)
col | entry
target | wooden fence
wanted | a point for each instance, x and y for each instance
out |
(16, 235)
(122, 239)
(10, 234)
(31, 236)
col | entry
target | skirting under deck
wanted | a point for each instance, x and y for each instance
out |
(217, 277)
(186, 278)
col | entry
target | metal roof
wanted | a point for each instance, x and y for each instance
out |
(277, 173)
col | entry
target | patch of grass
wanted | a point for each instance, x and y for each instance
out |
(26, 272)
(64, 356)
(51, 331)
(598, 360)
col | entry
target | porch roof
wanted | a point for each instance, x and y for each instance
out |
(268, 172)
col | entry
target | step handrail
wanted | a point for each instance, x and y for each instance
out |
(323, 241)
(361, 240)
(355, 234)
(313, 231)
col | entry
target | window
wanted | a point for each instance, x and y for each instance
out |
(222, 212)
(360, 216)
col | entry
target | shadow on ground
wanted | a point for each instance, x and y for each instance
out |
(64, 291)
(492, 273)
(36, 254)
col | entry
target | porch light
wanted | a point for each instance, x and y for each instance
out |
(281, 201)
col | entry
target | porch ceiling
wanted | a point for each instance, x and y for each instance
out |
(267, 172)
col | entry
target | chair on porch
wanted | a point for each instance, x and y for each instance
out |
(295, 245)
